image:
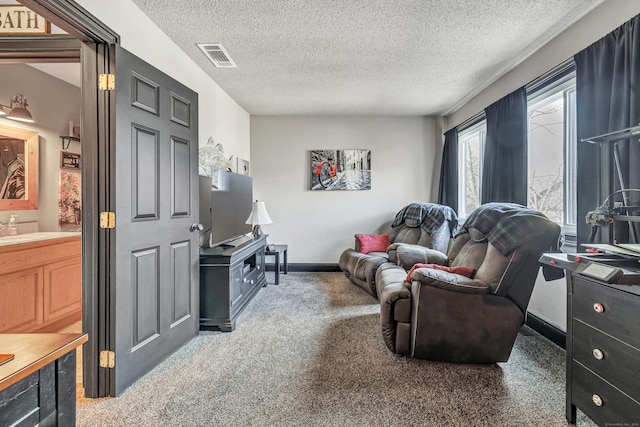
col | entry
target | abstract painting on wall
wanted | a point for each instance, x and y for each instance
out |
(341, 169)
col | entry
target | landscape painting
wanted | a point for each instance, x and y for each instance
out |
(341, 169)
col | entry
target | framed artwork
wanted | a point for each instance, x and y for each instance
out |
(69, 160)
(18, 168)
(74, 129)
(341, 169)
(242, 166)
(69, 202)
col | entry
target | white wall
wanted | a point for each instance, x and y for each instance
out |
(549, 298)
(219, 115)
(319, 225)
(53, 104)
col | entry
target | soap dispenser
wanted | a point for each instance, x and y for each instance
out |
(13, 225)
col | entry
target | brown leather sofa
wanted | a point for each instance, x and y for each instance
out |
(416, 230)
(444, 316)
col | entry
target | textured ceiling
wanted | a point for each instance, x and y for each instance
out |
(397, 57)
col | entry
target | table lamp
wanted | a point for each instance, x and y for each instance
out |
(258, 216)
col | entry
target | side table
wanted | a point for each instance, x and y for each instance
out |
(276, 252)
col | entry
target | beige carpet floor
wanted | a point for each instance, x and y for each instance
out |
(309, 352)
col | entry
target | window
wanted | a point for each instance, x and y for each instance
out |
(552, 150)
(552, 142)
(470, 153)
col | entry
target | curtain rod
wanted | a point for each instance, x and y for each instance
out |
(563, 67)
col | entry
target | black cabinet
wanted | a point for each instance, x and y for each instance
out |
(603, 351)
(229, 278)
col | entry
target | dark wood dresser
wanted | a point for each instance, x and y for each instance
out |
(229, 278)
(603, 351)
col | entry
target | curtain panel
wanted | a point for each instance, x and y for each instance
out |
(608, 99)
(448, 190)
(504, 174)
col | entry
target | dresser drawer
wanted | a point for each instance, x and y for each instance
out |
(249, 280)
(618, 309)
(617, 408)
(607, 357)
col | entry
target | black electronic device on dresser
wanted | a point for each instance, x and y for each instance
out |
(230, 276)
(603, 336)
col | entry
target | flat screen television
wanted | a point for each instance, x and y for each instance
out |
(224, 208)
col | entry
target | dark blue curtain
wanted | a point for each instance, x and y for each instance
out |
(608, 99)
(504, 174)
(448, 191)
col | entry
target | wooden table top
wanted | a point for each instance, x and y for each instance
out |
(32, 352)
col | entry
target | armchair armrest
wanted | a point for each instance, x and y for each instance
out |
(407, 255)
(449, 281)
(394, 295)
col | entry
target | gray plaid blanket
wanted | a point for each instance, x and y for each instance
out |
(430, 216)
(508, 225)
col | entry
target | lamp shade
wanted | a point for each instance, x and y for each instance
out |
(19, 110)
(259, 214)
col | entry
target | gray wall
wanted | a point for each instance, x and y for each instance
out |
(53, 104)
(319, 225)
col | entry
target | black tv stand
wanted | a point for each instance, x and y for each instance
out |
(230, 276)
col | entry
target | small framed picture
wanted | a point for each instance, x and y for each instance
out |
(69, 160)
(243, 166)
(74, 129)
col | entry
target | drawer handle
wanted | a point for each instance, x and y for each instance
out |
(598, 308)
(598, 354)
(597, 400)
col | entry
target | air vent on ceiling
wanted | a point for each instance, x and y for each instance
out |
(217, 54)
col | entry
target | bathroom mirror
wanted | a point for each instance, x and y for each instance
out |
(18, 168)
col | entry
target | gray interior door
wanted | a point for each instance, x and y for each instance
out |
(156, 194)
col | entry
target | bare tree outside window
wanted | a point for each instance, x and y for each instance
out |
(472, 171)
(471, 144)
(546, 158)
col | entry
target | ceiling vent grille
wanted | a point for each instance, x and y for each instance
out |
(217, 54)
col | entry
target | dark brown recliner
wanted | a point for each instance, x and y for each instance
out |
(448, 317)
(418, 227)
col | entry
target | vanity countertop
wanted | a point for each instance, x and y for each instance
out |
(36, 237)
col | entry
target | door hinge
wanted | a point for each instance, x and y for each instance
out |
(107, 359)
(107, 220)
(107, 81)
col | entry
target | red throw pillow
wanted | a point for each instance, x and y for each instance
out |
(463, 271)
(373, 242)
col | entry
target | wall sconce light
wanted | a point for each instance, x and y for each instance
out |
(18, 110)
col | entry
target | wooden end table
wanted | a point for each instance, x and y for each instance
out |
(276, 252)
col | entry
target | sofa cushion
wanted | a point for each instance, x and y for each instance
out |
(373, 242)
(463, 271)
(407, 256)
(493, 269)
(449, 281)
